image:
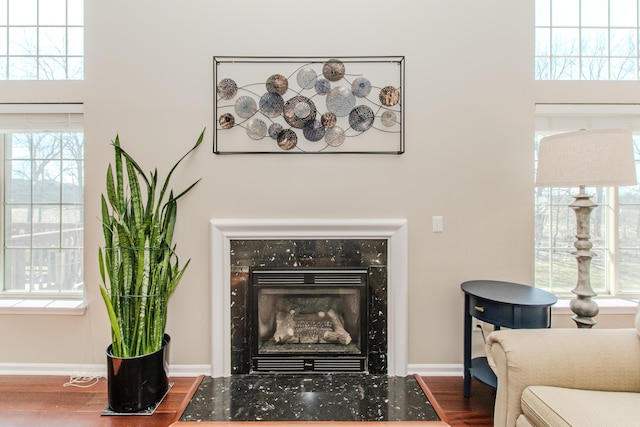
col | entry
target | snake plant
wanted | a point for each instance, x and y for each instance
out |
(139, 258)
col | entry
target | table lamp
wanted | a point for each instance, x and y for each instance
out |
(593, 158)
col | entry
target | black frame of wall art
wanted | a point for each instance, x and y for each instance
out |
(308, 105)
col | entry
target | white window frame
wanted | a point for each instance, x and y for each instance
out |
(559, 118)
(16, 118)
(586, 40)
(39, 40)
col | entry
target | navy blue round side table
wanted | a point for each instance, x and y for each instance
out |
(502, 304)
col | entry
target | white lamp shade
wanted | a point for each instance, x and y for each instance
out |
(594, 158)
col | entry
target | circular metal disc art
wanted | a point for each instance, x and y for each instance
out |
(361, 87)
(334, 136)
(298, 111)
(307, 78)
(388, 118)
(322, 86)
(389, 96)
(277, 83)
(287, 139)
(361, 118)
(274, 130)
(311, 104)
(227, 121)
(340, 101)
(328, 119)
(227, 88)
(333, 70)
(302, 110)
(313, 131)
(271, 104)
(256, 129)
(246, 107)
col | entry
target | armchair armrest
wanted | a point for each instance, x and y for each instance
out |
(589, 359)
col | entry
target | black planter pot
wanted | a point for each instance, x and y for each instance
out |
(138, 383)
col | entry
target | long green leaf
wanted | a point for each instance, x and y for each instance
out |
(117, 346)
(119, 205)
(168, 178)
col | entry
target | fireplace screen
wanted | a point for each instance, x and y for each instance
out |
(309, 320)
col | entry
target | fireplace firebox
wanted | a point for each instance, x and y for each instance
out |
(308, 319)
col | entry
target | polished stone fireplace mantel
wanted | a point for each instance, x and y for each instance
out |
(223, 231)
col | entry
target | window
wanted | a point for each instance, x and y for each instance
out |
(586, 40)
(615, 223)
(43, 184)
(41, 39)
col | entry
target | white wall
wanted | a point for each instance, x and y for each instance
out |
(469, 153)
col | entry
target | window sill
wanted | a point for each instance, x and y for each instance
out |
(43, 306)
(606, 305)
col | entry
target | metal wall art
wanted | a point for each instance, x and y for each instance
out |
(308, 105)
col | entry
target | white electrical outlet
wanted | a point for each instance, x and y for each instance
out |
(476, 324)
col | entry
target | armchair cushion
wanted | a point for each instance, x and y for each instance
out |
(606, 360)
(557, 406)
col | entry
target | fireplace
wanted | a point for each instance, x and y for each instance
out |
(375, 251)
(281, 273)
(308, 319)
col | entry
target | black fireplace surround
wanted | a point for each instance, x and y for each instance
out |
(309, 305)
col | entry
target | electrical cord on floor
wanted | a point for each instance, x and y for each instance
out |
(82, 382)
(77, 379)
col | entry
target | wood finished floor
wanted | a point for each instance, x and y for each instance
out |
(43, 401)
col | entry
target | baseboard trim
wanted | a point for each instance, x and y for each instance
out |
(437, 370)
(100, 370)
(97, 370)
(68, 369)
(189, 370)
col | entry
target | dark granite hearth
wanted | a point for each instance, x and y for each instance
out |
(316, 397)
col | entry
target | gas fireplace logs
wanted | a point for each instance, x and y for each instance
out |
(310, 328)
(338, 334)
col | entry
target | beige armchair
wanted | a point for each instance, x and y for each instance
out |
(566, 377)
